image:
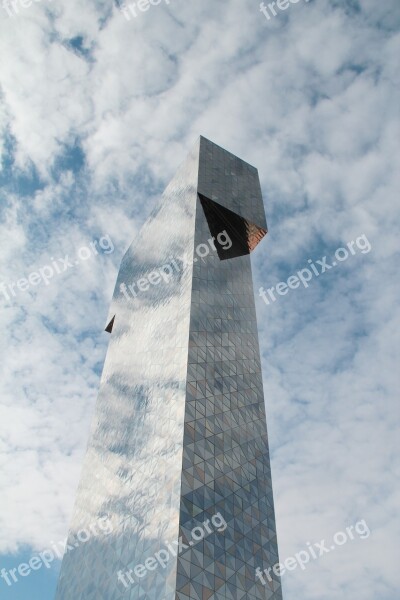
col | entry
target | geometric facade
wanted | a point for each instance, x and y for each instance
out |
(177, 459)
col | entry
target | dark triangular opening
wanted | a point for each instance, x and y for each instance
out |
(110, 326)
(244, 235)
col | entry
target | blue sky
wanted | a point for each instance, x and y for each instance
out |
(96, 113)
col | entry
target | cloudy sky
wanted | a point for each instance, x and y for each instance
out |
(97, 111)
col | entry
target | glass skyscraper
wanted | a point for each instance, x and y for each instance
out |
(177, 461)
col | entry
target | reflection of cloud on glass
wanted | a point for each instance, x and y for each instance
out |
(132, 470)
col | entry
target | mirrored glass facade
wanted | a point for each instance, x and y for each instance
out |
(177, 462)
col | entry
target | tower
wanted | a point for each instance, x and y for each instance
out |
(177, 461)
